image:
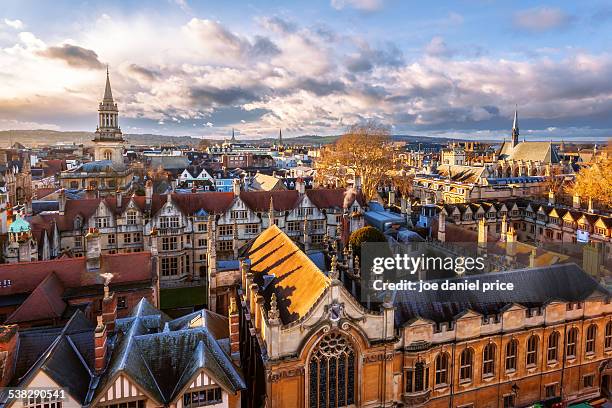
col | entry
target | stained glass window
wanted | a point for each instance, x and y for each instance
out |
(332, 373)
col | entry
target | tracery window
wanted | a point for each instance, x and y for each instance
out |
(332, 373)
(553, 346)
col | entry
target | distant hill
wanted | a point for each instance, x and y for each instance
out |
(32, 138)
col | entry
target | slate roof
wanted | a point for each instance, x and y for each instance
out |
(335, 197)
(534, 151)
(264, 182)
(67, 360)
(533, 287)
(281, 267)
(163, 355)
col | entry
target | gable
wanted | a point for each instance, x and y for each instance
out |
(121, 388)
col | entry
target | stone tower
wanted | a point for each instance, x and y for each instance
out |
(109, 139)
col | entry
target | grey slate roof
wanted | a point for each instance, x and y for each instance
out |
(67, 360)
(533, 287)
(162, 355)
(535, 151)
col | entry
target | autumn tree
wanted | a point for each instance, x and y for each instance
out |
(595, 181)
(364, 150)
(204, 144)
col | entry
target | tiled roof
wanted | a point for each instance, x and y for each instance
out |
(334, 197)
(211, 202)
(44, 303)
(526, 151)
(259, 201)
(295, 279)
(73, 273)
(532, 288)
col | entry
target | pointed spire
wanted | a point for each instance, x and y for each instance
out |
(271, 212)
(233, 139)
(280, 137)
(515, 127)
(108, 94)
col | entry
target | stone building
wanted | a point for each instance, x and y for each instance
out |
(308, 341)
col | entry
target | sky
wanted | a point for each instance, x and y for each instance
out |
(455, 68)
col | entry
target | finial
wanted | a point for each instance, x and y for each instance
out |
(333, 273)
(273, 314)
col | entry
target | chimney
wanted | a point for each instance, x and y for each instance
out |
(300, 186)
(391, 197)
(442, 226)
(236, 186)
(403, 205)
(482, 233)
(148, 192)
(234, 331)
(9, 344)
(92, 240)
(100, 346)
(511, 240)
(119, 195)
(174, 183)
(532, 258)
(109, 309)
(590, 209)
(504, 228)
(551, 197)
(357, 183)
(62, 201)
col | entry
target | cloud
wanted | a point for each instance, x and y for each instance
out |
(143, 73)
(74, 56)
(16, 24)
(367, 58)
(541, 19)
(437, 47)
(363, 5)
(277, 24)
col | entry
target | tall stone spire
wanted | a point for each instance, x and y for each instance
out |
(515, 128)
(233, 139)
(108, 93)
(280, 137)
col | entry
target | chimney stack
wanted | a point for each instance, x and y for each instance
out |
(100, 346)
(551, 197)
(482, 233)
(62, 201)
(9, 343)
(148, 192)
(236, 186)
(92, 240)
(300, 186)
(234, 331)
(119, 198)
(109, 309)
(442, 226)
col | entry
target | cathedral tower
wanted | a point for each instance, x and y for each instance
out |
(109, 139)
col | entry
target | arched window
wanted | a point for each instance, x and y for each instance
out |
(332, 373)
(532, 350)
(465, 365)
(608, 336)
(572, 338)
(488, 360)
(591, 335)
(442, 369)
(108, 155)
(553, 347)
(511, 350)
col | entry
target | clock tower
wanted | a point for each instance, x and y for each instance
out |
(109, 139)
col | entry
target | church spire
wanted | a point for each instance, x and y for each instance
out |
(280, 137)
(233, 139)
(108, 93)
(515, 128)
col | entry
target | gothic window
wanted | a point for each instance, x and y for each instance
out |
(553, 346)
(532, 350)
(108, 155)
(591, 334)
(442, 369)
(465, 365)
(608, 336)
(572, 338)
(488, 360)
(417, 378)
(511, 350)
(332, 373)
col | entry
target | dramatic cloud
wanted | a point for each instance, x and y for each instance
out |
(74, 56)
(203, 77)
(16, 24)
(364, 5)
(541, 19)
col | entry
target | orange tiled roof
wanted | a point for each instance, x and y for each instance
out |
(297, 281)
